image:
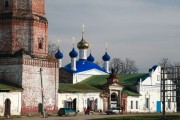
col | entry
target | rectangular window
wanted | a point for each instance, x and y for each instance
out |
(173, 96)
(131, 104)
(40, 43)
(147, 103)
(169, 103)
(158, 78)
(136, 104)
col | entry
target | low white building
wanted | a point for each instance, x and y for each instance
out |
(149, 99)
(132, 93)
(79, 97)
(10, 100)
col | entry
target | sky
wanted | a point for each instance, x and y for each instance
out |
(142, 30)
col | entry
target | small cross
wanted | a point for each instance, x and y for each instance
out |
(73, 39)
(59, 41)
(106, 46)
(90, 46)
(83, 27)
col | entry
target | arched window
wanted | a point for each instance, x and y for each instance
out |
(6, 3)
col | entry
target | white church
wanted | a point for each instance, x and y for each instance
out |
(29, 79)
(84, 83)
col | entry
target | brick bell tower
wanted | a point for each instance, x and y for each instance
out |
(23, 25)
(23, 53)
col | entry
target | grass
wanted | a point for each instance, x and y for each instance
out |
(156, 117)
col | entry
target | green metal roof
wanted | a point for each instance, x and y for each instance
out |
(5, 87)
(94, 84)
(125, 79)
(73, 88)
(130, 93)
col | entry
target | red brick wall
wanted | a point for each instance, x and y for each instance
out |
(38, 7)
(40, 31)
(23, 25)
(5, 36)
(21, 6)
(21, 35)
(6, 9)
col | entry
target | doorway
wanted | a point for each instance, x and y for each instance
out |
(7, 112)
(114, 100)
(74, 104)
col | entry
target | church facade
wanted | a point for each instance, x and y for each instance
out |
(138, 94)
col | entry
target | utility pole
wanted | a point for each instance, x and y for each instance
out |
(42, 93)
(163, 91)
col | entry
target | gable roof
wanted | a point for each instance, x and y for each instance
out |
(153, 68)
(96, 82)
(125, 79)
(83, 65)
(74, 88)
(130, 93)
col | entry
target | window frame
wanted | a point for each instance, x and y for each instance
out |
(169, 103)
(136, 104)
(147, 103)
(131, 104)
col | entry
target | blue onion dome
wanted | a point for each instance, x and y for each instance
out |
(83, 44)
(59, 55)
(73, 53)
(106, 57)
(90, 58)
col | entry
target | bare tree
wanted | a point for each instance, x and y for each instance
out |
(164, 62)
(52, 48)
(116, 64)
(176, 64)
(129, 66)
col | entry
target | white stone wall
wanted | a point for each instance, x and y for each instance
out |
(32, 94)
(86, 74)
(15, 98)
(151, 92)
(150, 88)
(81, 100)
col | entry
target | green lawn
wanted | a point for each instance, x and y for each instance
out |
(173, 117)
